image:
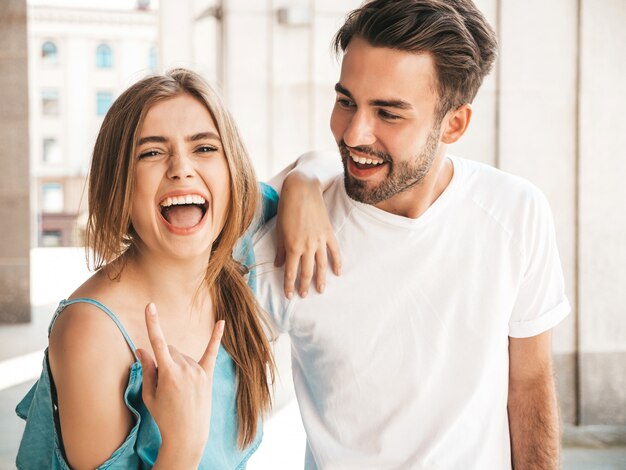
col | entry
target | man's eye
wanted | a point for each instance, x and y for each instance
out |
(387, 115)
(344, 103)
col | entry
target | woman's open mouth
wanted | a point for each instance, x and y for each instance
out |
(184, 212)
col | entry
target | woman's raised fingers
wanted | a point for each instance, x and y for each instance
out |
(207, 361)
(157, 339)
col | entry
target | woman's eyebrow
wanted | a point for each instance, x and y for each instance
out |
(192, 138)
(203, 136)
(152, 138)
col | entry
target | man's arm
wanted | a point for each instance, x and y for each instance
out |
(532, 404)
(319, 166)
(305, 235)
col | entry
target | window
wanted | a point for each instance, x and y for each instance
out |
(49, 53)
(152, 59)
(52, 197)
(51, 151)
(51, 238)
(104, 99)
(50, 102)
(104, 57)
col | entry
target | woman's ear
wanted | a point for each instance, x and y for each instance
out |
(455, 123)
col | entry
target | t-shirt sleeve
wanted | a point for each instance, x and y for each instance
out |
(540, 303)
(269, 278)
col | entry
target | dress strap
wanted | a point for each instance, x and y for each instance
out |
(65, 303)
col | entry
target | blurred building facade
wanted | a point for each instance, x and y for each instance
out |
(80, 59)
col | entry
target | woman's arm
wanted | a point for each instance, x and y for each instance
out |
(89, 360)
(305, 235)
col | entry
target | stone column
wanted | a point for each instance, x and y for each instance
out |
(602, 216)
(537, 140)
(14, 161)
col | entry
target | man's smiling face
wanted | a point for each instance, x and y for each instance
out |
(385, 121)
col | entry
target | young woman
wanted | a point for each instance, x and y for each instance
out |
(171, 191)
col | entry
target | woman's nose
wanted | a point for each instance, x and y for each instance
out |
(180, 167)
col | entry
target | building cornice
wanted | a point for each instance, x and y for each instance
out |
(84, 16)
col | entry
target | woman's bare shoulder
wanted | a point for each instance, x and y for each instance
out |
(84, 332)
(90, 364)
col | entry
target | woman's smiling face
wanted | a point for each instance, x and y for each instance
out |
(182, 182)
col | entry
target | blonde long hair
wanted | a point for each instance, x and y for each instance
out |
(110, 233)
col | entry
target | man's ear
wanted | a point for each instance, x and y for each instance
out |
(455, 123)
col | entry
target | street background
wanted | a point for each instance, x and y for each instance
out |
(550, 112)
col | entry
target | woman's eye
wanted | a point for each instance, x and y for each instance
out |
(149, 153)
(206, 149)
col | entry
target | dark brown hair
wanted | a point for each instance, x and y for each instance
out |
(454, 32)
(110, 234)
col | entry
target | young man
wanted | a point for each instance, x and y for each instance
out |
(432, 349)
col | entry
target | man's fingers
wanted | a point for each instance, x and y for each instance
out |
(307, 266)
(291, 272)
(321, 261)
(335, 254)
(207, 361)
(280, 251)
(157, 339)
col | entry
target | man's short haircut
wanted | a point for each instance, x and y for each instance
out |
(454, 32)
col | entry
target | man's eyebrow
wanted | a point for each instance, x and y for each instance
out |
(342, 90)
(398, 104)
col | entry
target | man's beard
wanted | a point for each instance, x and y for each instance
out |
(402, 175)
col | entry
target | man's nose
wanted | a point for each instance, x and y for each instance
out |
(360, 131)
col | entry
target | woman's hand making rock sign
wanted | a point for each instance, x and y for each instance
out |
(177, 392)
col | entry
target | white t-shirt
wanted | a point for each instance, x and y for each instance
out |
(403, 362)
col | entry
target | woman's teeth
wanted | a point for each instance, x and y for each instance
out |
(180, 200)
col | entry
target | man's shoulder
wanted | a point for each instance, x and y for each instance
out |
(489, 186)
(513, 202)
(335, 192)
